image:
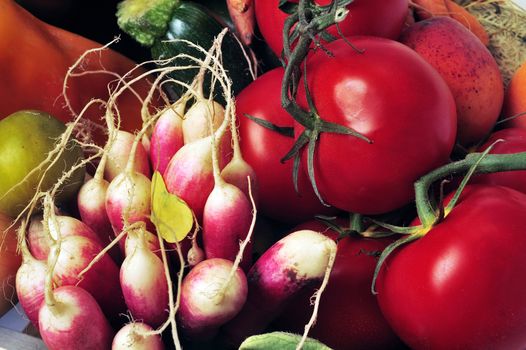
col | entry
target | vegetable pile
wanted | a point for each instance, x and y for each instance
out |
(277, 174)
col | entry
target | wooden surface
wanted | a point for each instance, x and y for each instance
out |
(11, 340)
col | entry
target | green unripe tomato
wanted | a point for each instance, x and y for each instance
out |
(26, 138)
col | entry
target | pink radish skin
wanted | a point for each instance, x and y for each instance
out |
(91, 203)
(167, 137)
(39, 240)
(30, 282)
(101, 281)
(128, 196)
(203, 308)
(74, 321)
(130, 337)
(226, 221)
(196, 123)
(119, 153)
(152, 243)
(295, 261)
(144, 285)
(237, 172)
(189, 174)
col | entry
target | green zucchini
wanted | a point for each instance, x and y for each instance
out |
(148, 22)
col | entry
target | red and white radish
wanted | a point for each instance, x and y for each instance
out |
(196, 123)
(135, 236)
(118, 155)
(167, 136)
(297, 260)
(135, 336)
(40, 240)
(128, 200)
(30, 281)
(189, 174)
(210, 296)
(144, 284)
(70, 318)
(102, 278)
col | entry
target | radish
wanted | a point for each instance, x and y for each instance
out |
(40, 240)
(167, 136)
(101, 280)
(196, 123)
(136, 236)
(297, 260)
(133, 336)
(227, 213)
(30, 281)
(70, 318)
(144, 284)
(128, 200)
(119, 153)
(91, 203)
(210, 296)
(189, 174)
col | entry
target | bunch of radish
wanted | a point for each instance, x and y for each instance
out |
(160, 238)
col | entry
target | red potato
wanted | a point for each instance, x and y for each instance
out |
(167, 137)
(209, 299)
(119, 153)
(74, 320)
(144, 284)
(40, 241)
(468, 68)
(294, 262)
(130, 337)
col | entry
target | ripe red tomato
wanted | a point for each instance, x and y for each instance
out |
(349, 316)
(461, 286)
(391, 95)
(366, 17)
(514, 141)
(263, 149)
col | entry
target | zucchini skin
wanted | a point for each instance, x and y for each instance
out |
(193, 22)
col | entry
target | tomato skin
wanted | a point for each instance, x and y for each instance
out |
(366, 17)
(349, 316)
(391, 95)
(263, 149)
(461, 286)
(514, 141)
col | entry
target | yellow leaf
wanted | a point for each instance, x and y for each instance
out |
(171, 216)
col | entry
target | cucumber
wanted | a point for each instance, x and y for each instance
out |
(155, 23)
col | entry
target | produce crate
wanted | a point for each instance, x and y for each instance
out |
(17, 333)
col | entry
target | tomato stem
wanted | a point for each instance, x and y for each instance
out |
(474, 163)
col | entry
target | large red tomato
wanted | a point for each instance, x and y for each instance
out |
(513, 141)
(461, 286)
(366, 17)
(263, 149)
(391, 95)
(349, 316)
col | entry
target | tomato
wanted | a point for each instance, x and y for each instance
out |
(461, 286)
(349, 316)
(366, 17)
(392, 96)
(514, 140)
(263, 149)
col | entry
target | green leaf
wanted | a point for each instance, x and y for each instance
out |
(280, 341)
(171, 216)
